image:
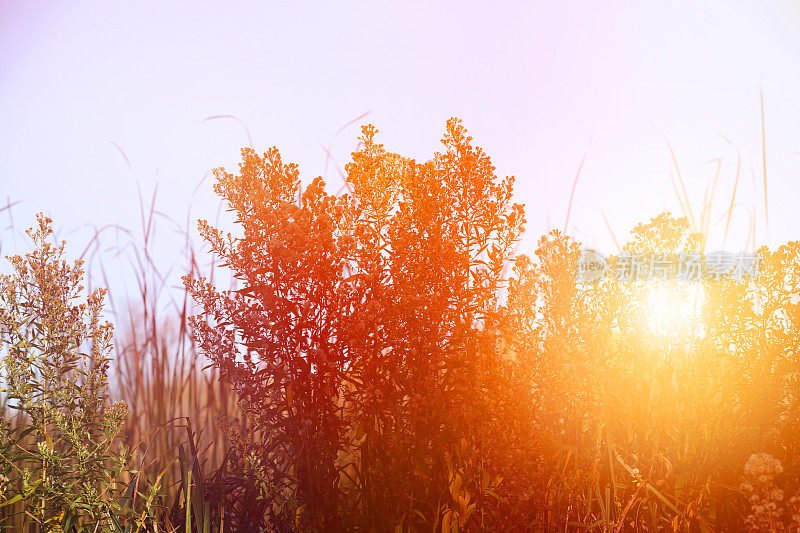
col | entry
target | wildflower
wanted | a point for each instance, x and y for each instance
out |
(62, 391)
(43, 448)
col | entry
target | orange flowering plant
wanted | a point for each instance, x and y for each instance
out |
(362, 342)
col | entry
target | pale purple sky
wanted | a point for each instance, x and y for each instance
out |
(533, 83)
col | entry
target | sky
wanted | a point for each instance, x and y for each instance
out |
(101, 102)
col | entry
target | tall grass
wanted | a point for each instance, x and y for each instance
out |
(174, 397)
(158, 370)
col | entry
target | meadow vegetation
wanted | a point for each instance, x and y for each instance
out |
(385, 362)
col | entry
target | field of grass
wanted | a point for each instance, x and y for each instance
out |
(370, 362)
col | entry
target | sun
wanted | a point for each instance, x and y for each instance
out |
(671, 308)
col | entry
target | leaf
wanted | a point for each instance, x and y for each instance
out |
(455, 486)
(17, 497)
(446, 518)
(470, 509)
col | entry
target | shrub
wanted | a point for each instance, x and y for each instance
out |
(362, 342)
(56, 356)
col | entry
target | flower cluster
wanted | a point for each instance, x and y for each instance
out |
(794, 508)
(765, 497)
